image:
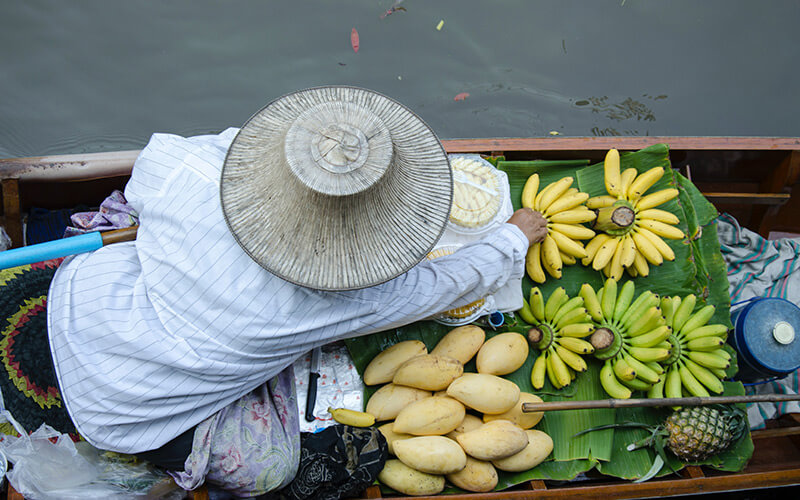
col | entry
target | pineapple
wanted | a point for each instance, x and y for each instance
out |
(696, 433)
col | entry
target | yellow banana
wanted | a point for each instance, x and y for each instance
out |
(526, 314)
(624, 299)
(609, 300)
(568, 245)
(705, 344)
(656, 391)
(721, 353)
(643, 302)
(643, 371)
(578, 315)
(533, 263)
(672, 383)
(615, 266)
(530, 191)
(574, 231)
(552, 192)
(715, 330)
(600, 201)
(567, 260)
(571, 359)
(636, 384)
(604, 254)
(573, 304)
(566, 202)
(659, 215)
(683, 312)
(592, 247)
(577, 215)
(351, 417)
(538, 371)
(644, 182)
(704, 376)
(625, 181)
(708, 360)
(560, 369)
(651, 338)
(577, 330)
(645, 354)
(591, 302)
(655, 199)
(611, 385)
(639, 325)
(640, 264)
(647, 249)
(661, 229)
(632, 272)
(623, 370)
(628, 251)
(576, 345)
(551, 373)
(611, 173)
(551, 260)
(557, 299)
(659, 244)
(698, 319)
(689, 381)
(537, 303)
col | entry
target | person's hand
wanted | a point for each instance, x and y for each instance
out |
(531, 222)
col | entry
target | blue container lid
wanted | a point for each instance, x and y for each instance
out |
(770, 329)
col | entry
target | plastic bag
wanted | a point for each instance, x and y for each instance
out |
(48, 465)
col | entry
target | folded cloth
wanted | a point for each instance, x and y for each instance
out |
(758, 267)
(114, 213)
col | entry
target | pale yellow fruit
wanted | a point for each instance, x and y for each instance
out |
(400, 477)
(485, 393)
(470, 422)
(383, 366)
(539, 447)
(430, 417)
(515, 414)
(428, 372)
(431, 454)
(493, 440)
(502, 354)
(387, 401)
(477, 476)
(391, 436)
(461, 343)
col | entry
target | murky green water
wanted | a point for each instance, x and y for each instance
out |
(103, 75)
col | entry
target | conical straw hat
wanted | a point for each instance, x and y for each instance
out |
(336, 188)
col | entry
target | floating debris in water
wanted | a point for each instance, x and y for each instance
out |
(461, 96)
(354, 40)
(394, 8)
(554, 132)
(439, 26)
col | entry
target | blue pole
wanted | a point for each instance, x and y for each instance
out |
(51, 250)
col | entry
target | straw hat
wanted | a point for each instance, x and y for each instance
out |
(336, 188)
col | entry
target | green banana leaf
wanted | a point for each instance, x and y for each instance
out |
(698, 268)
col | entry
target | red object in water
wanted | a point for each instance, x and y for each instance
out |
(461, 96)
(354, 40)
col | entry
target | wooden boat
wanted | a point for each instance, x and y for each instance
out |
(750, 178)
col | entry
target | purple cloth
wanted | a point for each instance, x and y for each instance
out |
(251, 446)
(115, 213)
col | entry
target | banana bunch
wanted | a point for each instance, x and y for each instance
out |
(563, 207)
(698, 362)
(559, 327)
(630, 227)
(631, 337)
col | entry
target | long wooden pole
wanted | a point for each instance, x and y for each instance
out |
(639, 403)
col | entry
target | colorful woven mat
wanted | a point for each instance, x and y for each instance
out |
(27, 375)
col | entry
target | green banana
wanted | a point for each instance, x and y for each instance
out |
(568, 306)
(699, 318)
(609, 299)
(554, 303)
(624, 300)
(611, 385)
(705, 376)
(526, 314)
(705, 344)
(715, 330)
(692, 385)
(591, 302)
(537, 303)
(683, 312)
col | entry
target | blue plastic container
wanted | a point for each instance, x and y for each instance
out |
(765, 337)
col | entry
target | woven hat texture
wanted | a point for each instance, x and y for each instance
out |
(336, 188)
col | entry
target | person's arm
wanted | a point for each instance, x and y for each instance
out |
(473, 272)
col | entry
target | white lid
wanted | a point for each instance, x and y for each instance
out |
(783, 332)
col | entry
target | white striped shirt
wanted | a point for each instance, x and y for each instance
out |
(153, 336)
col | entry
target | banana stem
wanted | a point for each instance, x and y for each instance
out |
(613, 218)
(602, 338)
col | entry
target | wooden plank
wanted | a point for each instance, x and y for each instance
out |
(11, 212)
(649, 489)
(622, 143)
(68, 167)
(749, 198)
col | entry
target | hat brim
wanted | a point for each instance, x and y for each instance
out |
(336, 242)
